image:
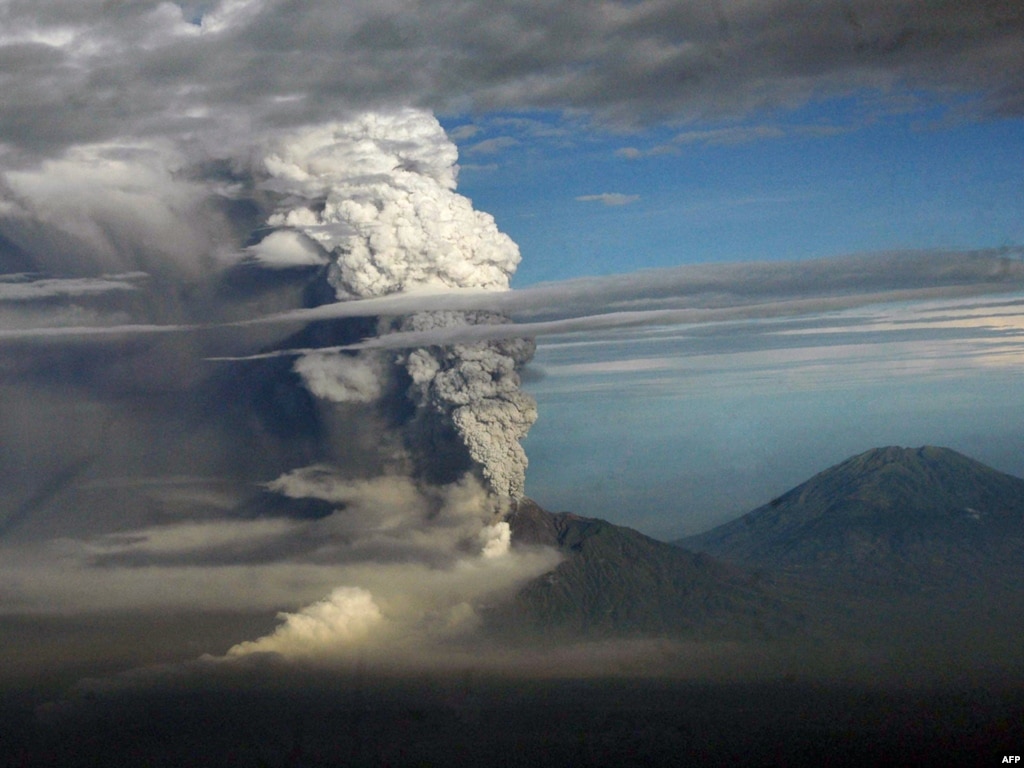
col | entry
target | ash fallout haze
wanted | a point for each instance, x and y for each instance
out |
(289, 292)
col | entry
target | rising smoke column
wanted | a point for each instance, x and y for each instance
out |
(377, 195)
(475, 387)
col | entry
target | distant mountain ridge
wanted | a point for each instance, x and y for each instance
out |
(897, 563)
(887, 514)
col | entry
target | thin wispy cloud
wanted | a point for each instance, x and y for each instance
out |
(633, 153)
(492, 146)
(679, 295)
(733, 136)
(24, 288)
(920, 340)
(688, 295)
(729, 136)
(612, 199)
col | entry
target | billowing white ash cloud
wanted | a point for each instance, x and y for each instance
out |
(377, 195)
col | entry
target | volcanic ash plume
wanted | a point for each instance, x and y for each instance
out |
(377, 195)
(475, 387)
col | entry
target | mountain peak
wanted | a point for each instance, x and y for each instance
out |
(931, 501)
(903, 483)
(926, 455)
(896, 454)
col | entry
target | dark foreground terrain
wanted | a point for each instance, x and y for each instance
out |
(469, 720)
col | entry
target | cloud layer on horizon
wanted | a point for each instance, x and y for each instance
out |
(685, 295)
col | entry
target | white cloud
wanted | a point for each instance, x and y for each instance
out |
(492, 146)
(133, 138)
(404, 614)
(463, 132)
(287, 248)
(733, 135)
(609, 198)
(28, 288)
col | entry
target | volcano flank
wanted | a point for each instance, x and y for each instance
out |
(615, 581)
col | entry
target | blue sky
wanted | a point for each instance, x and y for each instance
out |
(823, 180)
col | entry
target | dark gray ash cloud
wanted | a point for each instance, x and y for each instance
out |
(152, 69)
